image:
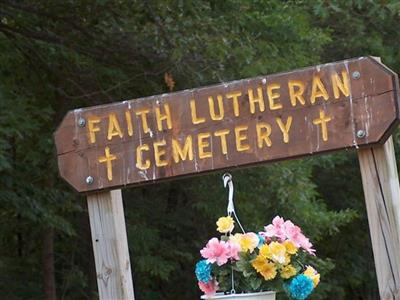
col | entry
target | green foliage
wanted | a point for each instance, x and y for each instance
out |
(59, 55)
(244, 264)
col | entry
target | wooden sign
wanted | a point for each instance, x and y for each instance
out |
(333, 106)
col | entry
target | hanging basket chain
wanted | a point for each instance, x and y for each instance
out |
(227, 179)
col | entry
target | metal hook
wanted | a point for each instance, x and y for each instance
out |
(227, 177)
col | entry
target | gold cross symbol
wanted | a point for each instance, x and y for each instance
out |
(322, 120)
(108, 158)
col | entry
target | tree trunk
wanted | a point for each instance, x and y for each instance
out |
(49, 282)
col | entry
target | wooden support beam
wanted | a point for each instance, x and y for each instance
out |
(110, 245)
(382, 198)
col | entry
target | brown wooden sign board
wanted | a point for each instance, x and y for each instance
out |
(339, 105)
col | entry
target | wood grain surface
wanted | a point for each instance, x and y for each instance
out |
(110, 245)
(240, 123)
(382, 197)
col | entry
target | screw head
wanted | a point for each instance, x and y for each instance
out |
(81, 122)
(356, 75)
(361, 134)
(89, 180)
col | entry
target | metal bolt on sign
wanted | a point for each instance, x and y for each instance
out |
(81, 122)
(114, 136)
(356, 75)
(89, 180)
(110, 142)
(361, 134)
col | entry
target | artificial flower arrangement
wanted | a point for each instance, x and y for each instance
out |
(254, 262)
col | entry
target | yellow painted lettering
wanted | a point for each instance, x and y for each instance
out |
(222, 136)
(263, 134)
(193, 110)
(129, 122)
(234, 96)
(108, 158)
(253, 100)
(161, 117)
(203, 143)
(273, 96)
(139, 160)
(184, 153)
(211, 107)
(296, 90)
(113, 127)
(159, 152)
(318, 89)
(322, 121)
(241, 137)
(92, 121)
(340, 85)
(143, 115)
(285, 128)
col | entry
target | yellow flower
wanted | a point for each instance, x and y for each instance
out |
(312, 274)
(278, 252)
(287, 259)
(225, 224)
(265, 268)
(235, 238)
(269, 271)
(290, 247)
(258, 263)
(265, 251)
(248, 241)
(288, 271)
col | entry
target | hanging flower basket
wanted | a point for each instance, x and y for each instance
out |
(252, 266)
(247, 296)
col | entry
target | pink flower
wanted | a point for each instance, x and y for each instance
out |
(209, 288)
(276, 229)
(293, 233)
(234, 250)
(216, 251)
(306, 245)
(286, 230)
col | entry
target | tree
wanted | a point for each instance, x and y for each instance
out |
(55, 56)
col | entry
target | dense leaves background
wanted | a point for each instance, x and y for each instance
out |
(59, 55)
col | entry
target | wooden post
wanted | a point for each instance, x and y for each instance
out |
(382, 198)
(365, 92)
(110, 245)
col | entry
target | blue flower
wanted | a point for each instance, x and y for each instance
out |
(203, 271)
(261, 240)
(299, 288)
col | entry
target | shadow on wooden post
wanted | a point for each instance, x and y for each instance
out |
(382, 198)
(110, 245)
